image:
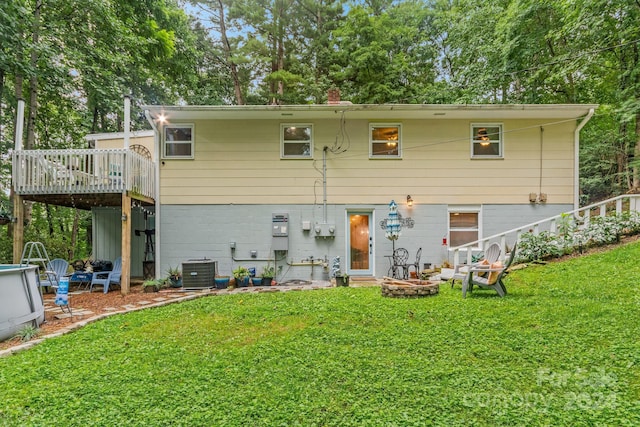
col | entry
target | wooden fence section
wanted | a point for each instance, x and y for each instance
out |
(82, 171)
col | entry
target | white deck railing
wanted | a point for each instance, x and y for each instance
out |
(82, 171)
(580, 217)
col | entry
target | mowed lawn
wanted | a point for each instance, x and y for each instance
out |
(562, 349)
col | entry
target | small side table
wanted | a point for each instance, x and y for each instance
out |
(83, 278)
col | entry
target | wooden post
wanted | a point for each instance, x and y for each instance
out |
(18, 228)
(125, 250)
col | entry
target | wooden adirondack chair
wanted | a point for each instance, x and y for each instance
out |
(491, 280)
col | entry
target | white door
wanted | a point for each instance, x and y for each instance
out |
(360, 243)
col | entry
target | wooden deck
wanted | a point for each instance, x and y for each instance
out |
(83, 178)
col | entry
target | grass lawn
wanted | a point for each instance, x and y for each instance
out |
(562, 349)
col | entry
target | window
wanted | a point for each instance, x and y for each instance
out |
(297, 141)
(486, 141)
(178, 142)
(463, 225)
(385, 141)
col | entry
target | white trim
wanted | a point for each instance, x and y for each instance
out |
(500, 140)
(118, 135)
(190, 143)
(464, 209)
(576, 159)
(375, 125)
(283, 126)
(345, 263)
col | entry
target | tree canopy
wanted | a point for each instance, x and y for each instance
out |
(72, 62)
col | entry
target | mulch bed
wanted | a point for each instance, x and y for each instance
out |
(95, 302)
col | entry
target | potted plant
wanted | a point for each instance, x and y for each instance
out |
(175, 277)
(150, 286)
(241, 274)
(268, 273)
(221, 282)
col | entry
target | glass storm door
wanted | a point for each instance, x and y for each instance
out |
(360, 240)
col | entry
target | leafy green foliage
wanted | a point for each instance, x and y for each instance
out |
(558, 350)
(28, 333)
(571, 237)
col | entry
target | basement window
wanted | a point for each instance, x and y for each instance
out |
(464, 225)
(177, 141)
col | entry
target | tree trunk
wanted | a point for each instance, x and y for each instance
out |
(226, 47)
(33, 80)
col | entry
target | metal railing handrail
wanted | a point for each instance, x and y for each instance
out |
(581, 215)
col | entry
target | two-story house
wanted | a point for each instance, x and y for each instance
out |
(299, 185)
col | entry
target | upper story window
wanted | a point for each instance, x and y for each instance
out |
(385, 141)
(296, 141)
(486, 141)
(178, 141)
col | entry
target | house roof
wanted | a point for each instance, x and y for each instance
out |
(118, 135)
(371, 111)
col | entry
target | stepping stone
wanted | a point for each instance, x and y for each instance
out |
(159, 299)
(62, 316)
(144, 302)
(111, 309)
(129, 306)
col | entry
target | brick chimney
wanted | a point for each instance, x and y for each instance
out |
(333, 96)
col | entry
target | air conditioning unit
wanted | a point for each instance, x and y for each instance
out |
(199, 273)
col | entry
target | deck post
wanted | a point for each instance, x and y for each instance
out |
(18, 227)
(125, 278)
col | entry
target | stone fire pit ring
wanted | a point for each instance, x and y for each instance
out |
(395, 288)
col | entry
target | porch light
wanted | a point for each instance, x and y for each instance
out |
(409, 201)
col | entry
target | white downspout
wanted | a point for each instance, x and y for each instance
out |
(156, 151)
(576, 161)
(19, 125)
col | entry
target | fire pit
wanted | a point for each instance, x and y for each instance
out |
(409, 288)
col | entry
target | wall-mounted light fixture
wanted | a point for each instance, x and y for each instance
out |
(409, 201)
(123, 217)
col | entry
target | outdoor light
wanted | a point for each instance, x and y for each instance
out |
(123, 217)
(409, 201)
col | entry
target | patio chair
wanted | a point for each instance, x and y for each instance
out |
(492, 279)
(400, 266)
(491, 255)
(55, 270)
(416, 264)
(107, 278)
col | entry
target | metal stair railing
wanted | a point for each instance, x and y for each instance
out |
(580, 216)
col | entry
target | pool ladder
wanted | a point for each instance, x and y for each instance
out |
(35, 252)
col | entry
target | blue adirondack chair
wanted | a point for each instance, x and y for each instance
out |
(107, 278)
(56, 270)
